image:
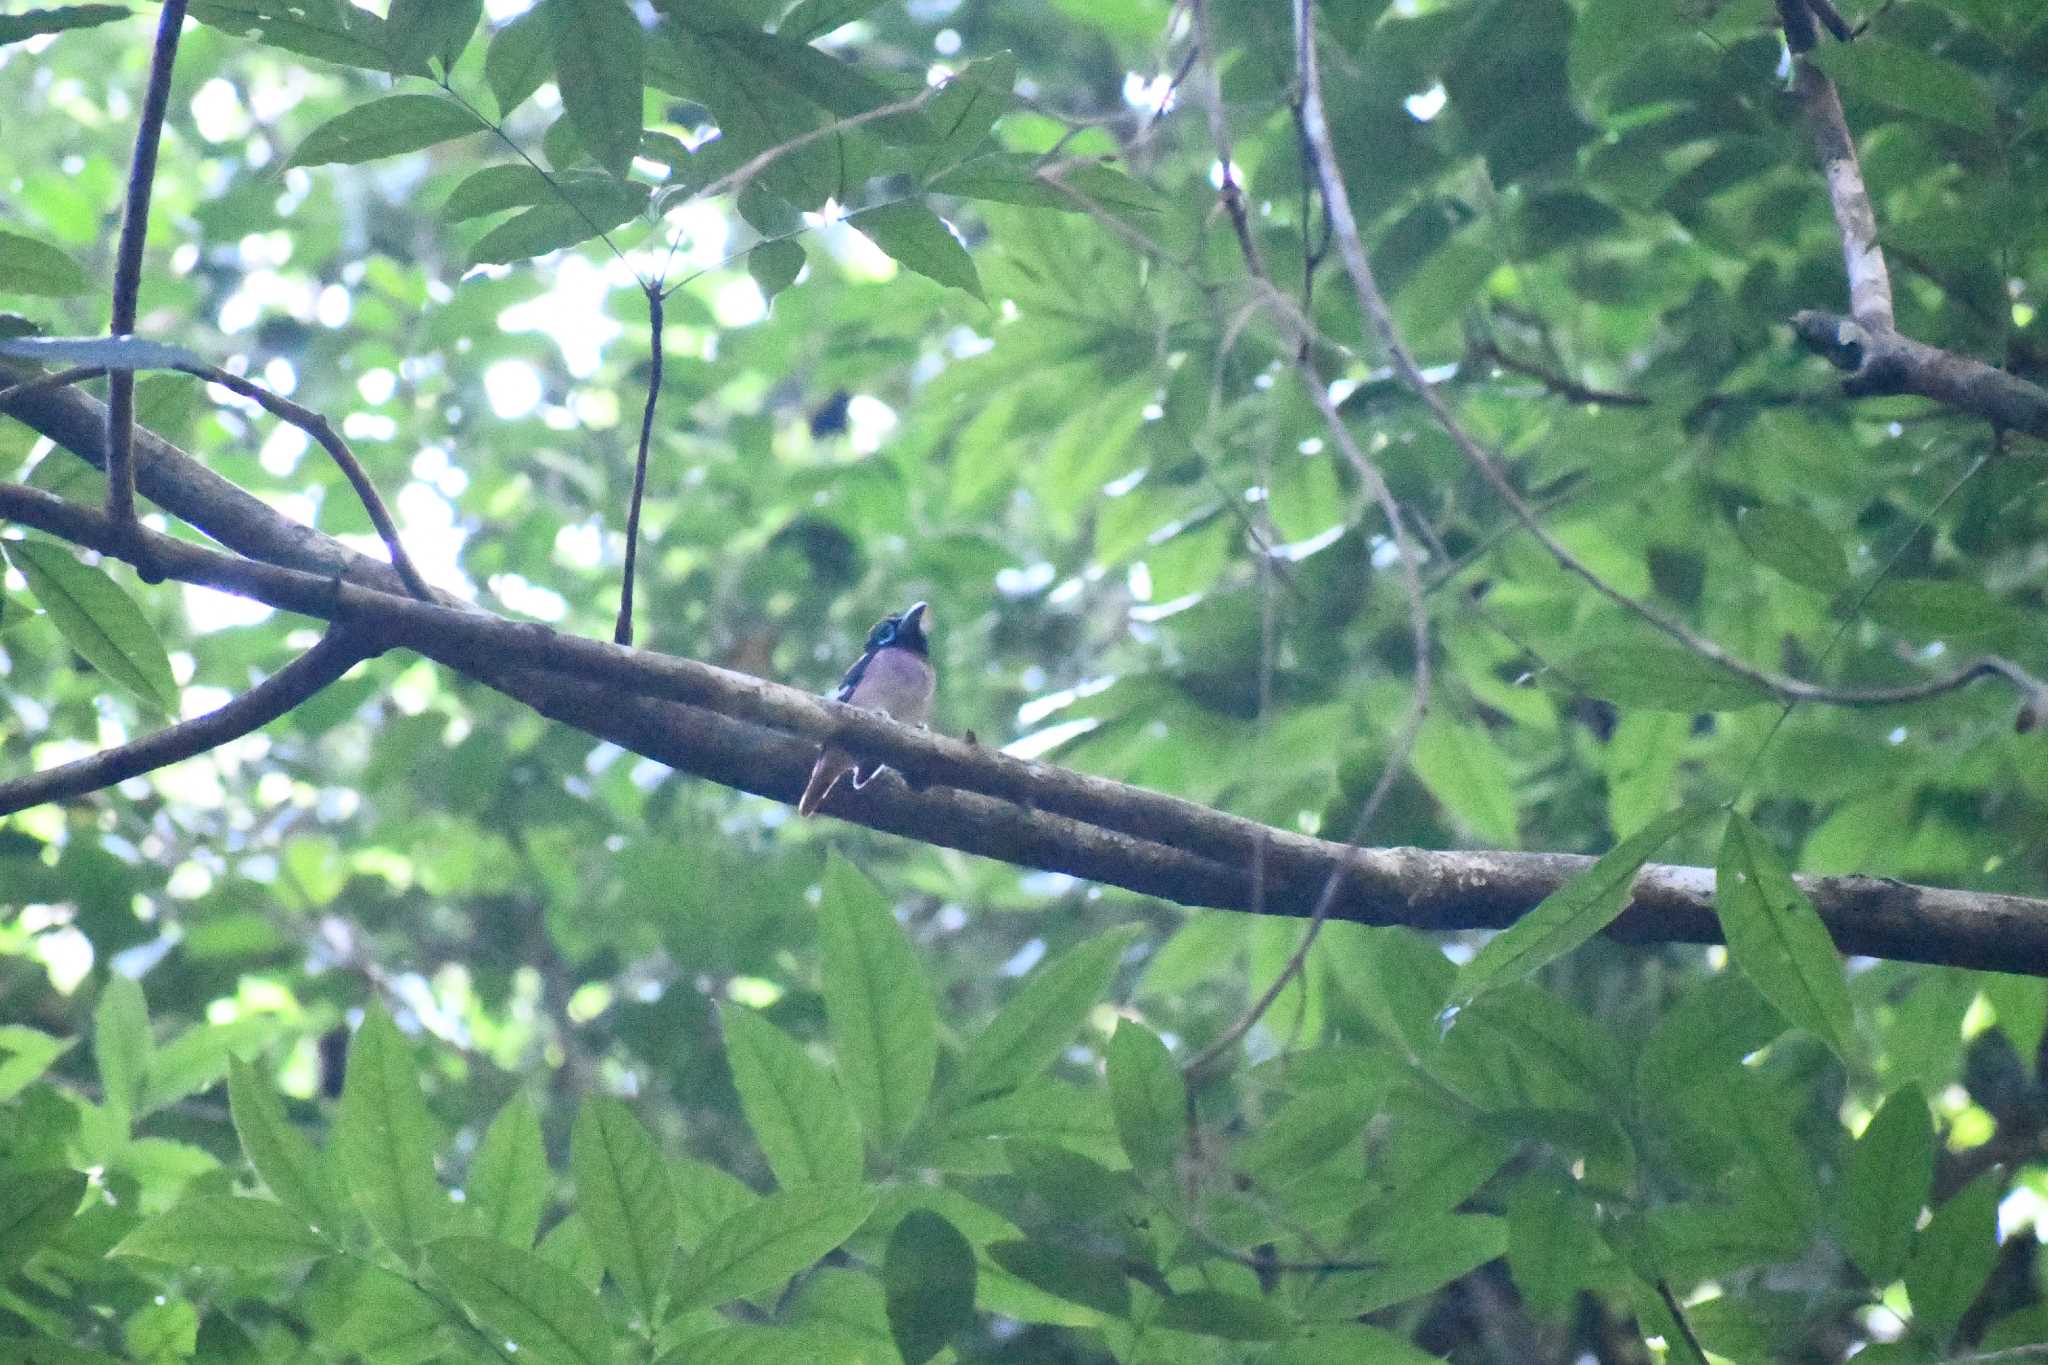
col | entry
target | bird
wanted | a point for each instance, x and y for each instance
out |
(894, 676)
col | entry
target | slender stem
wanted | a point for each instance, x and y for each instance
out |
(128, 269)
(56, 379)
(622, 632)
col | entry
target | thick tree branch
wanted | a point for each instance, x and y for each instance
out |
(283, 690)
(606, 689)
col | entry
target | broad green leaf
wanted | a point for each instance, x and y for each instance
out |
(1606, 37)
(1641, 765)
(796, 1107)
(280, 1153)
(198, 1058)
(878, 1003)
(1953, 1257)
(1657, 676)
(917, 239)
(1776, 937)
(1233, 1317)
(328, 30)
(705, 1197)
(1910, 79)
(33, 1206)
(809, 19)
(1420, 1255)
(387, 126)
(508, 1180)
(25, 1054)
(598, 47)
(928, 1272)
(1885, 1183)
(31, 266)
(965, 111)
(568, 1245)
(763, 1245)
(1077, 1276)
(1464, 769)
(1396, 976)
(390, 1320)
(55, 19)
(1147, 1095)
(524, 1299)
(520, 59)
(121, 1043)
(383, 1143)
(1014, 178)
(775, 266)
(554, 226)
(1039, 1021)
(227, 1231)
(1319, 1343)
(98, 619)
(624, 1197)
(419, 29)
(1795, 543)
(1573, 913)
(1946, 609)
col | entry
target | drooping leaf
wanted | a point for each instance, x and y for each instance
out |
(1081, 1277)
(1795, 543)
(878, 1003)
(554, 225)
(388, 126)
(597, 65)
(624, 1197)
(524, 1299)
(775, 266)
(1776, 937)
(440, 29)
(1147, 1095)
(1657, 676)
(520, 59)
(1573, 913)
(917, 239)
(965, 111)
(98, 619)
(929, 1273)
(1908, 78)
(1885, 1183)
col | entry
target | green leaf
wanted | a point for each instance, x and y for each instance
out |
(1641, 766)
(515, 185)
(1233, 1317)
(966, 109)
(624, 1197)
(325, 29)
(568, 1245)
(1039, 1021)
(1465, 770)
(508, 1180)
(1422, 1254)
(1946, 609)
(1955, 1255)
(1573, 913)
(879, 1004)
(1909, 79)
(809, 19)
(280, 1153)
(229, 1232)
(928, 1273)
(16, 27)
(1077, 1276)
(30, 266)
(1399, 979)
(196, 1059)
(520, 59)
(33, 1206)
(916, 238)
(1884, 1184)
(764, 1244)
(705, 1198)
(384, 1139)
(419, 29)
(796, 1107)
(122, 1044)
(1657, 676)
(523, 1299)
(557, 225)
(1776, 937)
(25, 1054)
(598, 46)
(385, 127)
(1795, 543)
(390, 1320)
(1147, 1096)
(98, 619)
(775, 266)
(1015, 178)
(1606, 37)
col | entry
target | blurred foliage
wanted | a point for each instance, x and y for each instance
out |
(676, 1078)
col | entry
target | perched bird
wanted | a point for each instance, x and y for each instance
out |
(893, 675)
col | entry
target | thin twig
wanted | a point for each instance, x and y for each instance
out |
(1870, 284)
(1562, 385)
(128, 271)
(56, 379)
(1677, 1312)
(338, 651)
(622, 632)
(317, 426)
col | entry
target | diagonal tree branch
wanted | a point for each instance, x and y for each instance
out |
(337, 652)
(607, 690)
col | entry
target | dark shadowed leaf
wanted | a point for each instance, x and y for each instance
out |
(385, 127)
(597, 64)
(916, 238)
(928, 1273)
(1885, 1184)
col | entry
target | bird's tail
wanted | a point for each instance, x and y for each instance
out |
(832, 765)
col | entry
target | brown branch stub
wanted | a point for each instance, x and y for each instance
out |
(337, 652)
(1887, 362)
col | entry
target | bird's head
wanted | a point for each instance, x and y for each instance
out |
(902, 631)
